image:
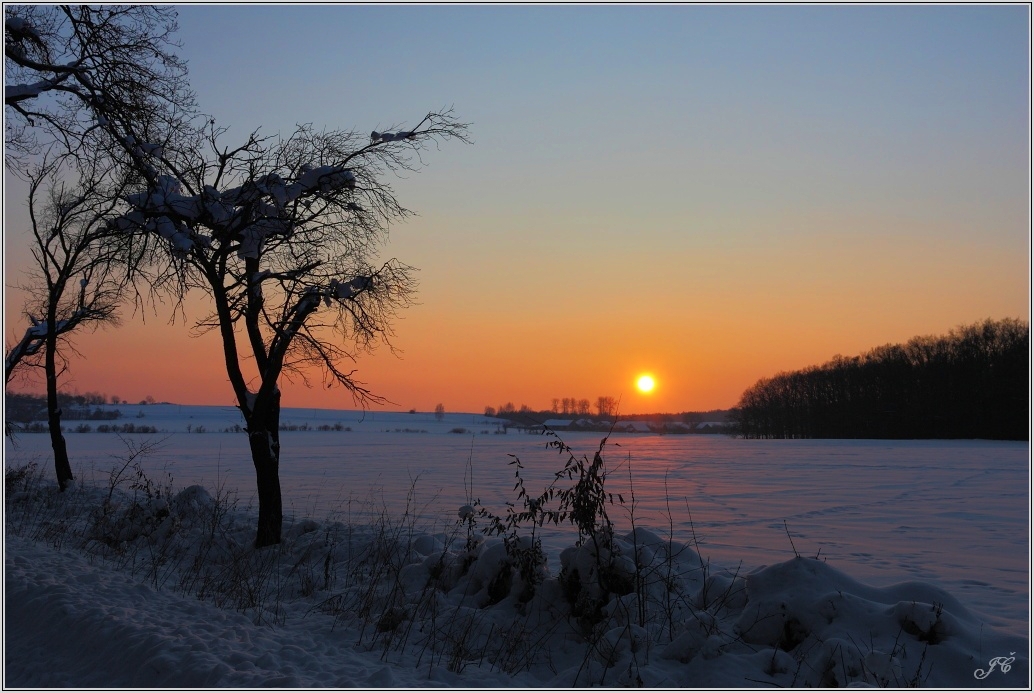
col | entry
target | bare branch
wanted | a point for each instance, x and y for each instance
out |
(83, 267)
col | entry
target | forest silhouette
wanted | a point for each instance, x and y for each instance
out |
(971, 383)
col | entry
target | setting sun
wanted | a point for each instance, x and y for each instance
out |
(645, 383)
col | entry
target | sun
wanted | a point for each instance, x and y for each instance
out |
(645, 383)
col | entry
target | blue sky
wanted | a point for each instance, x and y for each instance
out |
(735, 109)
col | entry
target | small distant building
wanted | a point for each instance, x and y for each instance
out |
(633, 427)
(557, 424)
(711, 426)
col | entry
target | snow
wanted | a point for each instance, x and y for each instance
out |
(256, 279)
(168, 208)
(71, 623)
(40, 328)
(152, 149)
(16, 91)
(390, 136)
(130, 221)
(172, 232)
(346, 290)
(326, 179)
(249, 399)
(251, 242)
(400, 594)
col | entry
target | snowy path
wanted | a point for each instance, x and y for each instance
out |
(73, 624)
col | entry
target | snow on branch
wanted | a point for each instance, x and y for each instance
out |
(346, 290)
(250, 212)
(20, 92)
(118, 64)
(36, 334)
(30, 344)
(391, 137)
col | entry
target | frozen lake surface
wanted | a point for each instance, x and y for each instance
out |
(952, 513)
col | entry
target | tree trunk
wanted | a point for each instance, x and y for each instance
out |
(57, 439)
(264, 438)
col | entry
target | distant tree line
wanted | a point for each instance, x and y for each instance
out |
(605, 406)
(24, 407)
(606, 413)
(971, 383)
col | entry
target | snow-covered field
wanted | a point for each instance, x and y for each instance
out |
(921, 576)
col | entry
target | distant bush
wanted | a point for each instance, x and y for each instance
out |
(87, 414)
(334, 427)
(35, 427)
(124, 428)
(23, 408)
(237, 428)
(26, 407)
(458, 430)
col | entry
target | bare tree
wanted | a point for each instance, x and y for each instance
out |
(82, 267)
(84, 88)
(94, 83)
(282, 234)
(90, 78)
(439, 412)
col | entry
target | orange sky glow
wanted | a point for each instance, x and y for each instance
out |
(708, 195)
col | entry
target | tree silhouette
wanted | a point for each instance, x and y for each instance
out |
(83, 77)
(282, 235)
(81, 270)
(971, 383)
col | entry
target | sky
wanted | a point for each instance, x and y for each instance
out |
(709, 194)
